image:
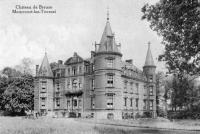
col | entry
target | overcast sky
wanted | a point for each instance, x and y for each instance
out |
(76, 25)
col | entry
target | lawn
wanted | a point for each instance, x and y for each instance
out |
(45, 125)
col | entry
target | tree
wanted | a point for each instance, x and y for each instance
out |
(16, 89)
(178, 23)
(25, 66)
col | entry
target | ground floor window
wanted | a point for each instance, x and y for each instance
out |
(68, 104)
(151, 104)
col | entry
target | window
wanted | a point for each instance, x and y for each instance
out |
(92, 84)
(58, 87)
(125, 101)
(57, 102)
(68, 104)
(68, 71)
(137, 88)
(43, 86)
(151, 105)
(92, 103)
(43, 102)
(131, 102)
(80, 83)
(110, 100)
(125, 84)
(68, 83)
(151, 90)
(80, 70)
(136, 103)
(110, 63)
(131, 85)
(110, 80)
(145, 104)
(62, 72)
(74, 70)
(151, 78)
(79, 103)
(75, 103)
(74, 84)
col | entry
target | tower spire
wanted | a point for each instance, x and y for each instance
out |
(149, 58)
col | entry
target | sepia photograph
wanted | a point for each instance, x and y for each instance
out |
(100, 67)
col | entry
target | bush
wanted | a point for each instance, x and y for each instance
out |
(147, 115)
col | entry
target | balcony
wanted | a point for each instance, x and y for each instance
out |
(73, 92)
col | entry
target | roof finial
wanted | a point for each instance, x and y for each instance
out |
(45, 51)
(107, 13)
(149, 43)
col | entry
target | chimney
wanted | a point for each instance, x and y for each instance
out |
(37, 67)
(60, 62)
(129, 61)
(92, 54)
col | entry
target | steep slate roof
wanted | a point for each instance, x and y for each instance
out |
(107, 42)
(149, 58)
(45, 69)
(76, 58)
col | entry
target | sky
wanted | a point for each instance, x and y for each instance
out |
(75, 27)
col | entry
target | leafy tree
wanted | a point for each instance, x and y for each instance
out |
(18, 94)
(178, 23)
(16, 89)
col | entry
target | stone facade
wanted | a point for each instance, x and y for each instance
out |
(103, 85)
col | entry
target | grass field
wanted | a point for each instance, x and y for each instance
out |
(45, 125)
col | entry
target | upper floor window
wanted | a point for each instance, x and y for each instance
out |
(74, 70)
(43, 86)
(80, 83)
(131, 102)
(125, 84)
(136, 103)
(57, 102)
(43, 100)
(80, 70)
(92, 84)
(68, 71)
(62, 72)
(58, 86)
(131, 85)
(92, 103)
(110, 97)
(137, 87)
(74, 84)
(68, 83)
(151, 90)
(151, 78)
(110, 63)
(110, 80)
(125, 101)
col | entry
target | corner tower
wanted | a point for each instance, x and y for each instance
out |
(107, 73)
(43, 92)
(149, 69)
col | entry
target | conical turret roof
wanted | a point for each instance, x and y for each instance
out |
(149, 58)
(107, 42)
(45, 69)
